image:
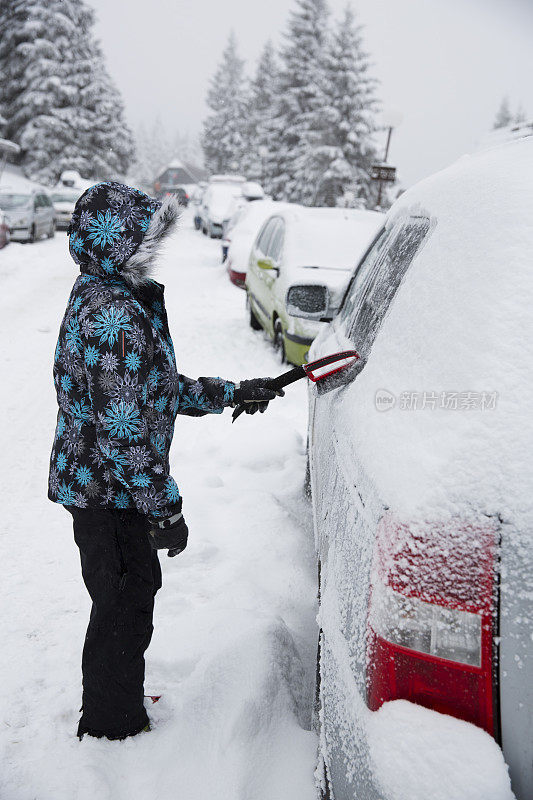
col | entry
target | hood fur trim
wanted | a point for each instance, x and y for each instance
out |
(138, 267)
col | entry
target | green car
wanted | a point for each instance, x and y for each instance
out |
(300, 265)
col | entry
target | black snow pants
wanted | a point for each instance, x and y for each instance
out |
(122, 575)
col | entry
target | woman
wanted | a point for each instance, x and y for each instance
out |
(119, 392)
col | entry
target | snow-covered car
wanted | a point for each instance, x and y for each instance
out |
(229, 178)
(216, 208)
(29, 211)
(421, 477)
(298, 270)
(241, 234)
(251, 192)
(64, 200)
(4, 229)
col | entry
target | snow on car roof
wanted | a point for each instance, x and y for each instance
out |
(328, 237)
(456, 349)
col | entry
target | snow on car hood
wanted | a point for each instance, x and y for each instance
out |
(461, 329)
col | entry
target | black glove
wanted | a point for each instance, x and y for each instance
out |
(255, 394)
(171, 534)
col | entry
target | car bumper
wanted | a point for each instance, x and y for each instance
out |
(296, 348)
(216, 229)
(20, 234)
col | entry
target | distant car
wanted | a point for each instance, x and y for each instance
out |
(299, 267)
(30, 213)
(241, 234)
(64, 201)
(217, 205)
(176, 179)
(4, 229)
(251, 192)
(420, 470)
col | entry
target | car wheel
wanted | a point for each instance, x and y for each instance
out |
(52, 231)
(204, 230)
(254, 322)
(197, 223)
(279, 343)
(31, 237)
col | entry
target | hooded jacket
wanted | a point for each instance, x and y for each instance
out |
(117, 384)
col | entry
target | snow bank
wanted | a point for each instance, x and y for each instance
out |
(420, 754)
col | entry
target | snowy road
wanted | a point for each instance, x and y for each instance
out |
(233, 648)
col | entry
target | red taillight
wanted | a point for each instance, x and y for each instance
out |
(430, 621)
(238, 278)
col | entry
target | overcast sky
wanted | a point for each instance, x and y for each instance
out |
(444, 64)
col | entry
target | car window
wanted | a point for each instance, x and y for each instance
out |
(362, 270)
(37, 201)
(265, 236)
(385, 266)
(275, 245)
(46, 200)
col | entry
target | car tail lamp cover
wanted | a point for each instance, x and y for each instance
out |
(430, 620)
(426, 627)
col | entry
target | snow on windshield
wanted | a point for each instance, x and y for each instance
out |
(334, 240)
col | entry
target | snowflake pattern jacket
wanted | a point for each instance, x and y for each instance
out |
(115, 373)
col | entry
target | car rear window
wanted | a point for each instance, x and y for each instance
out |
(377, 279)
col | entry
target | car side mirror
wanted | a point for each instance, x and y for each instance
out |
(308, 301)
(266, 263)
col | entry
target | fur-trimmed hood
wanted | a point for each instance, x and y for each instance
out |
(117, 231)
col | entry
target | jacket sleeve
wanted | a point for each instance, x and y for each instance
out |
(204, 396)
(132, 432)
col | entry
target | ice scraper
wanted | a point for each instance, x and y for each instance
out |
(315, 371)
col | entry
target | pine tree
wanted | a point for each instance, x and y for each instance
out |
(351, 103)
(60, 104)
(260, 150)
(223, 139)
(503, 116)
(520, 115)
(298, 120)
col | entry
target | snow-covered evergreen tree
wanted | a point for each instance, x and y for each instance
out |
(298, 124)
(223, 138)
(260, 151)
(503, 115)
(60, 103)
(348, 150)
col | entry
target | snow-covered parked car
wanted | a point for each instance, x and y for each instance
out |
(421, 479)
(250, 192)
(217, 206)
(298, 270)
(4, 229)
(64, 200)
(29, 211)
(241, 235)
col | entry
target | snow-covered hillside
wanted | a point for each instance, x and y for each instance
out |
(235, 633)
